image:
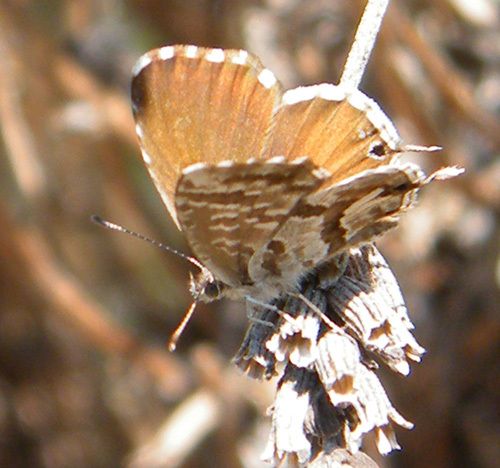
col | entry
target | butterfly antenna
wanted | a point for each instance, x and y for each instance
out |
(174, 338)
(116, 227)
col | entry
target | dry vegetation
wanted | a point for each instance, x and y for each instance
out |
(85, 379)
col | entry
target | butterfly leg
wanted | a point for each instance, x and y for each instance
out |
(251, 313)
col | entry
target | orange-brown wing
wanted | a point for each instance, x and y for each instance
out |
(193, 104)
(344, 133)
(229, 211)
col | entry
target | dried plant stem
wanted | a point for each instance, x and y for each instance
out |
(363, 43)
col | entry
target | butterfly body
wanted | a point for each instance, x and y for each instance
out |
(266, 185)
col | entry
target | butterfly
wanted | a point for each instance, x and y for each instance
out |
(266, 184)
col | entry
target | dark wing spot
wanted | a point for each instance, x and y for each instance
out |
(306, 210)
(404, 187)
(269, 264)
(276, 247)
(378, 150)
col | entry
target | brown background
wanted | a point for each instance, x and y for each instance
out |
(85, 380)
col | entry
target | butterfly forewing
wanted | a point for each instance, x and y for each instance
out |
(199, 105)
(344, 133)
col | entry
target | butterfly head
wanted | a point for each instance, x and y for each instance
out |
(205, 288)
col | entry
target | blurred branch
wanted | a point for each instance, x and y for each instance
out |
(364, 41)
(191, 421)
(78, 83)
(451, 84)
(18, 139)
(89, 318)
(221, 387)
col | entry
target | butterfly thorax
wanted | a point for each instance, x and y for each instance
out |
(206, 288)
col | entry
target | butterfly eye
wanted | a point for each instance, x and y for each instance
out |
(213, 290)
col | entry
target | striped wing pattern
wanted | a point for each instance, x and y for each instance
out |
(228, 212)
(327, 222)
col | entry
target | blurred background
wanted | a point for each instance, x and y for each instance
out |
(85, 377)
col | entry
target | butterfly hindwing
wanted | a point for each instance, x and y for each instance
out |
(229, 211)
(329, 221)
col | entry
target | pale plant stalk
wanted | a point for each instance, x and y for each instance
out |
(362, 46)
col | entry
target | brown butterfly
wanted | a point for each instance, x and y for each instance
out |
(266, 185)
